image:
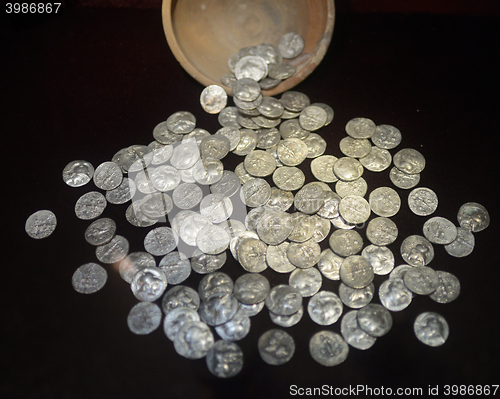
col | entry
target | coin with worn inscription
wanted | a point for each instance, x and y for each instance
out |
(328, 348)
(291, 129)
(40, 224)
(375, 320)
(346, 242)
(280, 199)
(213, 99)
(394, 294)
(322, 168)
(165, 178)
(252, 255)
(448, 289)
(360, 128)
(306, 281)
(356, 298)
(156, 205)
(224, 359)
(329, 264)
(252, 67)
(304, 254)
(277, 259)
(216, 207)
(90, 205)
(176, 318)
(89, 278)
(163, 135)
(251, 310)
(355, 148)
(303, 227)
(246, 89)
(356, 271)
(377, 160)
(403, 180)
(380, 257)
(348, 169)
(291, 45)
(161, 152)
(235, 329)
(409, 161)
(149, 284)
(417, 250)
(386, 137)
(251, 288)
(439, 230)
(354, 209)
(292, 151)
(325, 308)
(463, 245)
(187, 195)
(381, 231)
(274, 227)
(330, 207)
(312, 118)
(284, 300)
(123, 193)
(78, 173)
(431, 329)
(255, 192)
(193, 340)
(288, 178)
(134, 262)
(384, 201)
(421, 280)
(353, 334)
(259, 163)
(473, 216)
(287, 321)
(181, 122)
(114, 251)
(180, 296)
(176, 267)
(276, 347)
(218, 309)
(100, 232)
(212, 239)
(422, 201)
(136, 217)
(316, 145)
(108, 176)
(144, 318)
(161, 241)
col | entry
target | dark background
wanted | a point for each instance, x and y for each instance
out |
(89, 81)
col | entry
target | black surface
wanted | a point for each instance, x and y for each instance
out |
(89, 82)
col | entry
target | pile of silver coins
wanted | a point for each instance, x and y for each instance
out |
(266, 215)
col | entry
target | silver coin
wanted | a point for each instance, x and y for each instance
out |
(89, 278)
(330, 207)
(356, 298)
(78, 173)
(181, 122)
(271, 107)
(339, 223)
(204, 263)
(255, 192)
(114, 251)
(161, 241)
(356, 272)
(417, 250)
(136, 217)
(280, 199)
(312, 118)
(100, 231)
(180, 296)
(375, 320)
(123, 193)
(288, 178)
(212, 239)
(176, 318)
(218, 309)
(399, 271)
(322, 228)
(431, 329)
(195, 136)
(242, 174)
(422, 201)
(329, 264)
(251, 288)
(133, 158)
(347, 169)
(322, 168)
(134, 262)
(228, 185)
(90, 205)
(179, 217)
(294, 101)
(355, 148)
(277, 259)
(269, 83)
(235, 329)
(328, 348)
(354, 209)
(421, 280)
(386, 137)
(176, 267)
(346, 242)
(213, 99)
(224, 359)
(377, 160)
(357, 187)
(325, 308)
(303, 227)
(216, 146)
(267, 138)
(161, 152)
(403, 180)
(156, 205)
(283, 300)
(165, 178)
(215, 284)
(282, 71)
(329, 112)
(316, 145)
(252, 218)
(252, 255)
(381, 258)
(360, 128)
(228, 117)
(310, 198)
(304, 255)
(306, 281)
(274, 227)
(260, 163)
(473, 216)
(409, 161)
(246, 89)
(149, 284)
(191, 226)
(144, 318)
(232, 134)
(216, 207)
(292, 151)
(143, 181)
(238, 239)
(394, 294)
(287, 321)
(448, 289)
(291, 129)
(40, 224)
(232, 60)
(276, 347)
(381, 231)
(291, 45)
(163, 135)
(264, 122)
(252, 67)
(439, 230)
(252, 310)
(108, 176)
(463, 245)
(186, 154)
(187, 195)
(384, 201)
(194, 340)
(269, 53)
(353, 334)
(247, 110)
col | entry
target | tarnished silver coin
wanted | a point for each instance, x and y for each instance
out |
(161, 241)
(193, 340)
(161, 152)
(400, 271)
(356, 298)
(251, 288)
(283, 300)
(216, 207)
(134, 262)
(252, 310)
(384, 201)
(181, 122)
(235, 329)
(176, 267)
(448, 289)
(89, 278)
(216, 146)
(213, 99)
(123, 193)
(386, 137)
(224, 359)
(463, 245)
(274, 227)
(252, 67)
(280, 199)
(40, 224)
(208, 171)
(228, 185)
(246, 89)
(287, 321)
(143, 181)
(163, 135)
(360, 128)
(252, 255)
(381, 231)
(90, 205)
(149, 284)
(186, 154)
(218, 309)
(176, 318)
(409, 161)
(78, 173)
(288, 178)
(204, 263)
(325, 308)
(108, 176)
(306, 281)
(354, 209)
(357, 187)
(292, 151)
(328, 348)
(291, 45)
(277, 259)
(422, 201)
(355, 148)
(330, 207)
(212, 239)
(269, 53)
(233, 134)
(191, 226)
(310, 198)
(114, 251)
(431, 329)
(100, 232)
(417, 250)
(133, 158)
(356, 271)
(329, 264)
(381, 258)
(238, 239)
(242, 173)
(144, 318)
(136, 217)
(322, 168)
(269, 83)
(304, 254)
(156, 205)
(291, 129)
(267, 138)
(377, 160)
(329, 112)
(180, 296)
(316, 145)
(394, 294)
(375, 320)
(215, 284)
(228, 117)
(346, 242)
(270, 107)
(312, 118)
(276, 347)
(255, 192)
(187, 195)
(252, 218)
(353, 334)
(259, 163)
(303, 227)
(294, 101)
(281, 71)
(421, 280)
(348, 169)
(473, 216)
(403, 180)
(322, 228)
(439, 230)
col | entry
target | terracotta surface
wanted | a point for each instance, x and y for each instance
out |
(203, 34)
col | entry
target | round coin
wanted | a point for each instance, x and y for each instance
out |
(431, 329)
(276, 347)
(89, 278)
(78, 173)
(328, 348)
(40, 224)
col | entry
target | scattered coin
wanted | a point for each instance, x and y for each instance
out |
(473, 216)
(78, 173)
(328, 348)
(431, 329)
(41, 224)
(213, 99)
(89, 278)
(144, 318)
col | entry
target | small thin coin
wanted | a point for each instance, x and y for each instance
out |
(149, 284)
(306, 281)
(409, 161)
(40, 224)
(328, 348)
(386, 137)
(463, 245)
(417, 250)
(394, 294)
(144, 318)
(160, 241)
(375, 320)
(353, 334)
(224, 359)
(78, 173)
(108, 176)
(213, 99)
(354, 209)
(89, 278)
(356, 272)
(291, 45)
(421, 280)
(276, 347)
(100, 231)
(322, 168)
(422, 201)
(448, 289)
(473, 216)
(90, 205)
(384, 201)
(360, 128)
(403, 180)
(325, 308)
(439, 230)
(431, 329)
(114, 251)
(356, 298)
